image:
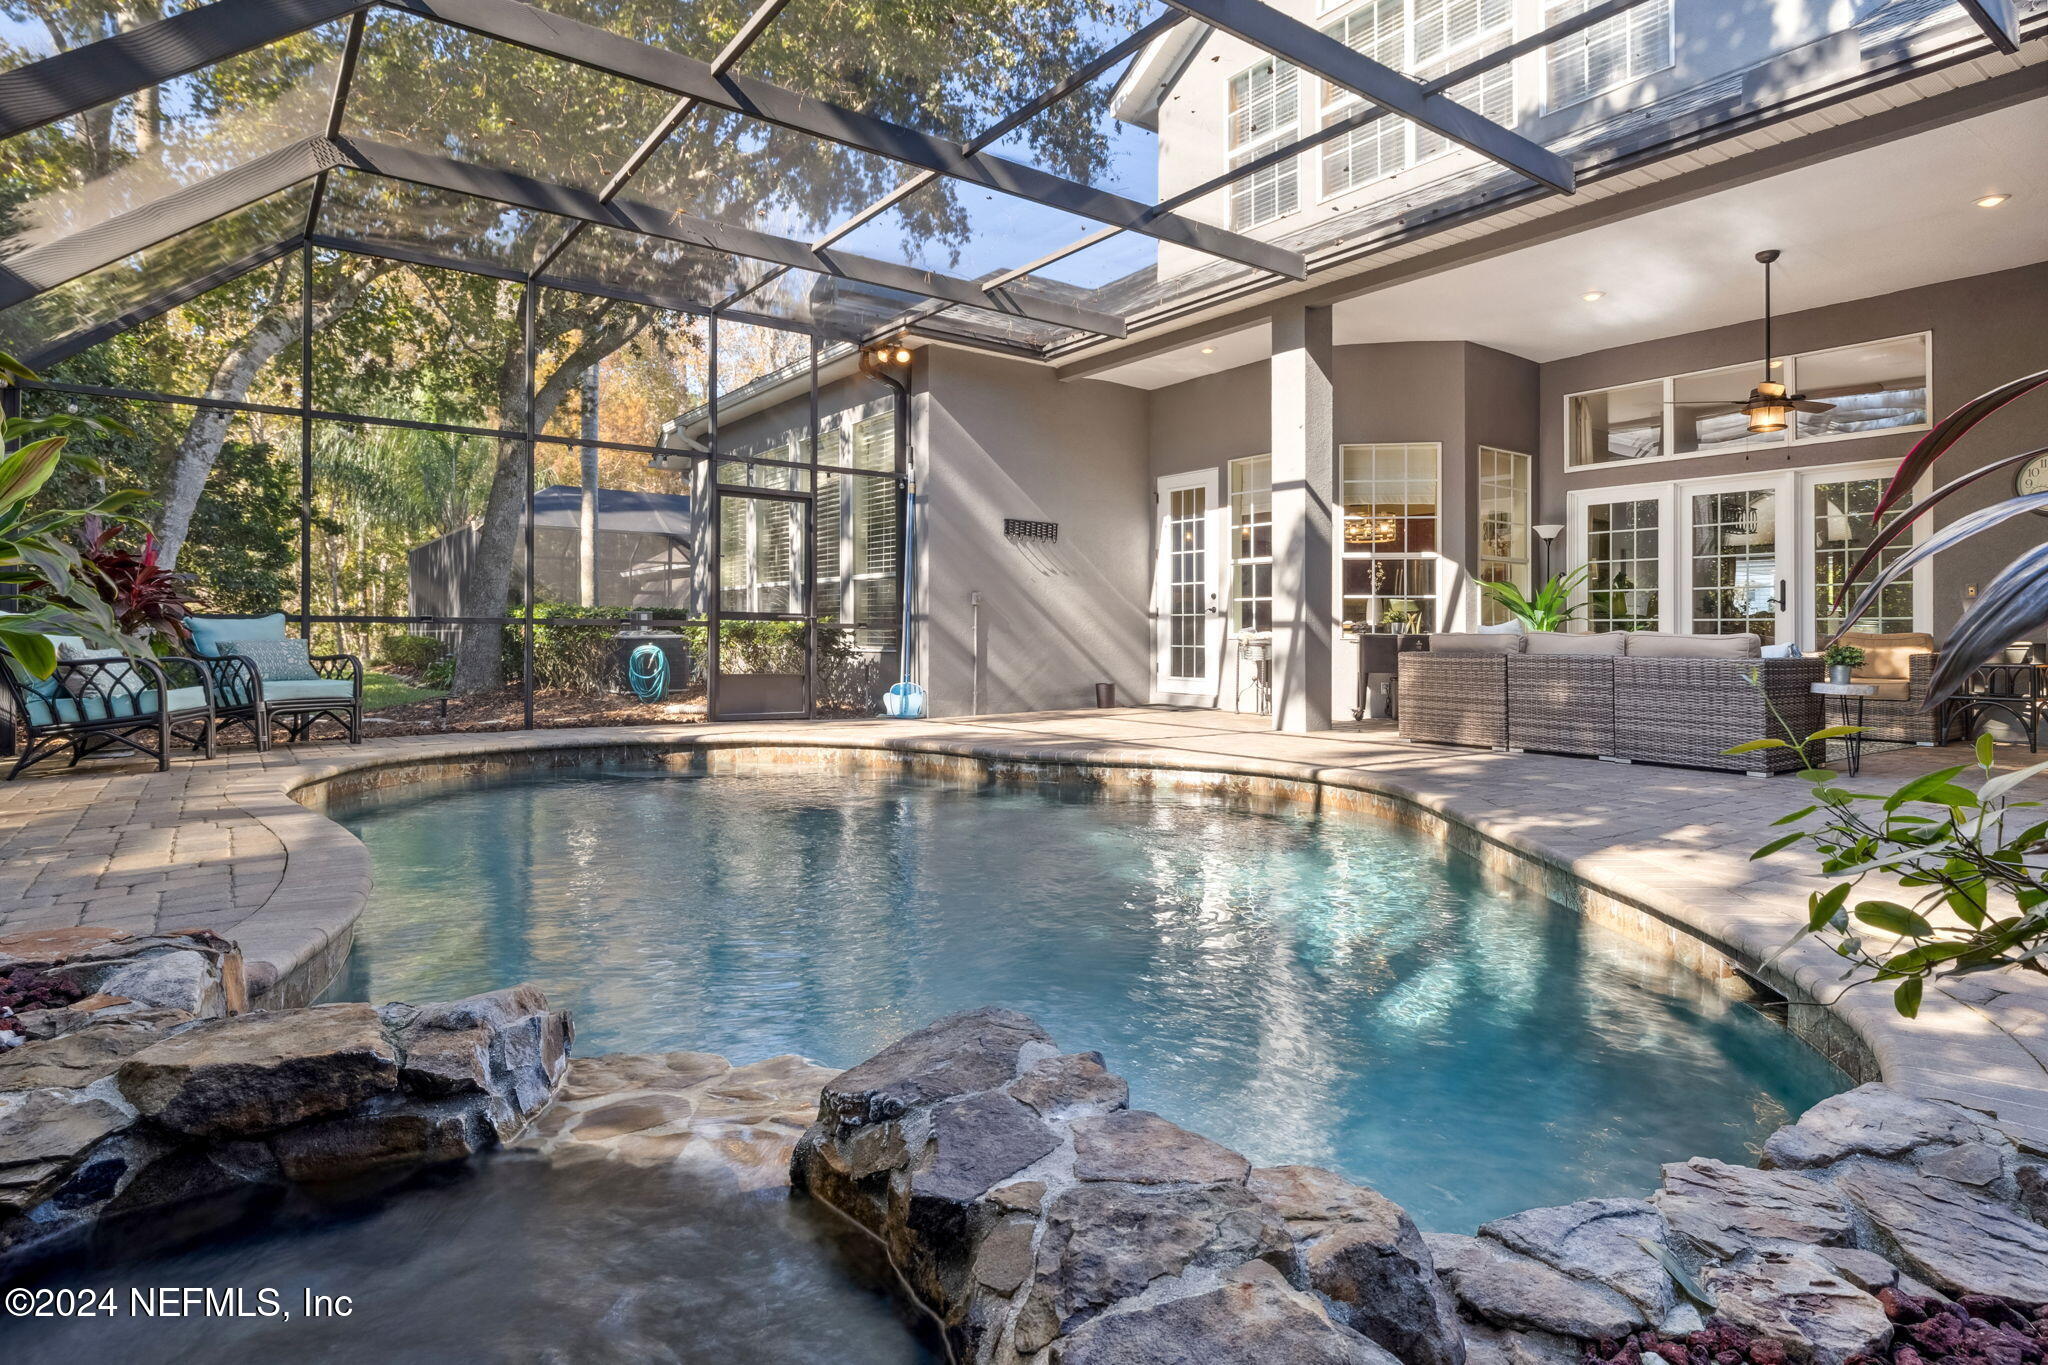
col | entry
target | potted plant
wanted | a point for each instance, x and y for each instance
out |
(1551, 609)
(1842, 662)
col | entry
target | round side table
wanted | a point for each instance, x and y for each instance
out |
(1844, 694)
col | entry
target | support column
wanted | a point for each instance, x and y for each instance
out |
(1304, 556)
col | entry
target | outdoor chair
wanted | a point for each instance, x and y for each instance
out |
(1901, 667)
(261, 681)
(89, 705)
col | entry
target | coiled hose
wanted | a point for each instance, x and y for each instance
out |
(647, 672)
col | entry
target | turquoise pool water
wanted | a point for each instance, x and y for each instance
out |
(1333, 991)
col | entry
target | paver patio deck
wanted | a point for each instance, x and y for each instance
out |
(223, 844)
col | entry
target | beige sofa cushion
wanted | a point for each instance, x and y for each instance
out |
(1653, 644)
(1888, 656)
(1546, 642)
(1888, 689)
(1477, 644)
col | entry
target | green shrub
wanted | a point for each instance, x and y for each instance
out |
(413, 653)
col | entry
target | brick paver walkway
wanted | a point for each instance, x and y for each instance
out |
(222, 844)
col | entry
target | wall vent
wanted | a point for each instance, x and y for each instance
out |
(1016, 528)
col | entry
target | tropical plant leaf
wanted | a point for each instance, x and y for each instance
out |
(31, 650)
(1998, 786)
(1906, 999)
(1961, 529)
(27, 469)
(2013, 606)
(1897, 526)
(1680, 1276)
(1948, 431)
(1894, 918)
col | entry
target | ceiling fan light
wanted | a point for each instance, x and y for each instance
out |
(1768, 409)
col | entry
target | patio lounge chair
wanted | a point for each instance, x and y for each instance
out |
(89, 705)
(1900, 666)
(248, 697)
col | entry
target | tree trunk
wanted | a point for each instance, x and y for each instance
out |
(487, 587)
(191, 465)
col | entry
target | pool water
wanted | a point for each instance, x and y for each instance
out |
(1326, 990)
(507, 1259)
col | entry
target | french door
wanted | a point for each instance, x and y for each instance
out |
(1187, 589)
(1751, 553)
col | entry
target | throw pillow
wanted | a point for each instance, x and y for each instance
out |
(1510, 627)
(275, 660)
(1788, 650)
(210, 634)
(99, 684)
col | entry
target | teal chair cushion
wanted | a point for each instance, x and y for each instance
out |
(210, 634)
(326, 689)
(73, 710)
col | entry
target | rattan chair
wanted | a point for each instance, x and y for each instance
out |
(1454, 698)
(261, 706)
(1689, 712)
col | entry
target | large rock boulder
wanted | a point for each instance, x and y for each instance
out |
(256, 1073)
(169, 1109)
(1507, 1290)
(1363, 1254)
(1041, 1219)
(1951, 1236)
(1608, 1242)
(1718, 1211)
(1797, 1299)
(1878, 1123)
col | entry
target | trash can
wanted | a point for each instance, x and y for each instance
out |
(1105, 695)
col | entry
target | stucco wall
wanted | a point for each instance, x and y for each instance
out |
(998, 438)
(1986, 329)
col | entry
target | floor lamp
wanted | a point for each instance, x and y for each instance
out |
(1548, 531)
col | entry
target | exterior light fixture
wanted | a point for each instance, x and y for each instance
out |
(902, 356)
(888, 353)
(1992, 201)
(1594, 295)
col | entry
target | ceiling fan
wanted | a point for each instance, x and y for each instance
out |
(1769, 407)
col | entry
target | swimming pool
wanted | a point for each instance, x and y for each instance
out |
(1319, 989)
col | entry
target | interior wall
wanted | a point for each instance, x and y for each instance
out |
(997, 438)
(1986, 329)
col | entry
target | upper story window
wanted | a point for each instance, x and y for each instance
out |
(1425, 38)
(1613, 52)
(1265, 113)
(1873, 386)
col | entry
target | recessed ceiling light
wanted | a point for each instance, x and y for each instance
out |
(1594, 295)
(1992, 201)
(1777, 364)
(1208, 350)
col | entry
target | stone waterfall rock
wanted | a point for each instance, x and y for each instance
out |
(1601, 1241)
(1363, 1254)
(174, 1109)
(1720, 1211)
(1956, 1239)
(1040, 1219)
(1795, 1298)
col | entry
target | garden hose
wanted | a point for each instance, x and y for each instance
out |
(647, 672)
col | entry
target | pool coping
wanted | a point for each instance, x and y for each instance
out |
(1974, 1043)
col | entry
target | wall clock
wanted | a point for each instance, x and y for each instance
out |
(2033, 478)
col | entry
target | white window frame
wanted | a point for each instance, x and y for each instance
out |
(1521, 491)
(1279, 135)
(1333, 101)
(1231, 558)
(1788, 439)
(1549, 15)
(1796, 621)
(1442, 573)
(1219, 581)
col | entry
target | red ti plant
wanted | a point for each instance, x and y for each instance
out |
(146, 598)
(2014, 605)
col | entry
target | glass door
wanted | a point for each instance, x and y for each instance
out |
(1187, 593)
(762, 630)
(1623, 537)
(1740, 558)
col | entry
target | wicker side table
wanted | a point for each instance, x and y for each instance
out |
(1843, 694)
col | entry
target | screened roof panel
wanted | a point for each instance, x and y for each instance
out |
(1081, 138)
(36, 324)
(129, 153)
(695, 28)
(737, 170)
(676, 271)
(446, 92)
(962, 229)
(828, 302)
(397, 214)
(930, 66)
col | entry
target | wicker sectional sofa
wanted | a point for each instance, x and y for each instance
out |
(1643, 699)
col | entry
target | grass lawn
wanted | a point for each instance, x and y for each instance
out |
(383, 689)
